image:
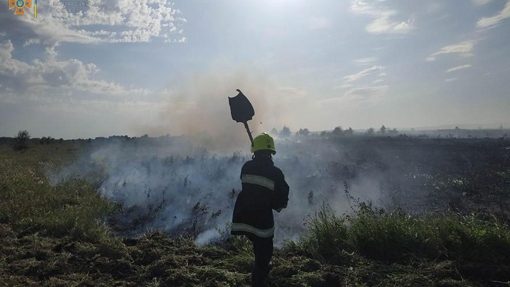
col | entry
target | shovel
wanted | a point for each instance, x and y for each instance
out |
(241, 111)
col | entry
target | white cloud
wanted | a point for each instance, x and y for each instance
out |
(463, 48)
(458, 68)
(357, 96)
(385, 25)
(494, 20)
(367, 92)
(384, 22)
(54, 76)
(382, 74)
(365, 61)
(362, 74)
(480, 2)
(378, 81)
(98, 22)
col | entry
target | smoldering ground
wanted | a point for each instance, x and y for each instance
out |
(169, 184)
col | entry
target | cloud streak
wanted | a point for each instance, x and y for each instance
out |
(362, 74)
(458, 68)
(383, 22)
(480, 2)
(464, 48)
(365, 61)
(357, 96)
(487, 22)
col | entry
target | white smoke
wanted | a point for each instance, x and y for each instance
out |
(170, 185)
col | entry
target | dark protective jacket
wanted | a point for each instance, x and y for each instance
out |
(264, 189)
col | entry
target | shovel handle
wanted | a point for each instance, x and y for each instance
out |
(248, 131)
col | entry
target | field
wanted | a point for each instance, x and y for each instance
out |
(364, 211)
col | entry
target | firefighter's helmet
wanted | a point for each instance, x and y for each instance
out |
(263, 142)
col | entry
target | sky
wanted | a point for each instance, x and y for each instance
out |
(84, 69)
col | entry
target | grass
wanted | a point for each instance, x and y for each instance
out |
(29, 203)
(55, 236)
(397, 237)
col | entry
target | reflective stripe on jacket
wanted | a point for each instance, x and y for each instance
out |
(241, 227)
(264, 189)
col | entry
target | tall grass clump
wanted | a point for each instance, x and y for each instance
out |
(399, 237)
(328, 235)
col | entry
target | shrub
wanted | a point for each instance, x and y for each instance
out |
(21, 141)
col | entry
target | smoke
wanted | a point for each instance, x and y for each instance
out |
(207, 236)
(197, 106)
(171, 185)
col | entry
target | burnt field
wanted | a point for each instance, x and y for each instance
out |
(363, 211)
(164, 184)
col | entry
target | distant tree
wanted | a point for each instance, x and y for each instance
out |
(501, 127)
(382, 130)
(61, 140)
(393, 132)
(457, 128)
(285, 132)
(46, 140)
(21, 141)
(303, 132)
(349, 132)
(370, 131)
(338, 131)
(274, 132)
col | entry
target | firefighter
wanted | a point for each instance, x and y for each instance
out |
(264, 190)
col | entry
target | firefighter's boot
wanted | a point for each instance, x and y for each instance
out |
(259, 276)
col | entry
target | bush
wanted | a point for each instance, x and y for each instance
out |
(21, 141)
(285, 132)
(46, 140)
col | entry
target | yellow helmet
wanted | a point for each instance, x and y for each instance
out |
(263, 142)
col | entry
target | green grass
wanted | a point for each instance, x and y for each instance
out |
(397, 237)
(29, 203)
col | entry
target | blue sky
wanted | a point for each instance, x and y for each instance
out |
(158, 67)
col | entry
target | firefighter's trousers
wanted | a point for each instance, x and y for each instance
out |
(263, 250)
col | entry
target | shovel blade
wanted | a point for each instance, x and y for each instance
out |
(241, 108)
